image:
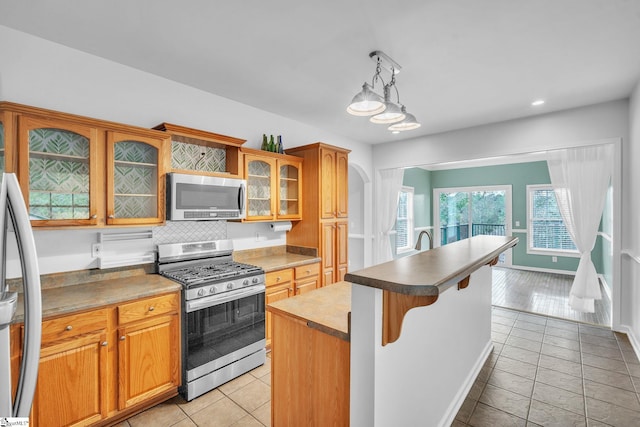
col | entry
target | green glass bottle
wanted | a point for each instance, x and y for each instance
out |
(272, 145)
(265, 145)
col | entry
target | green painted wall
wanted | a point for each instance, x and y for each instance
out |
(420, 180)
(517, 175)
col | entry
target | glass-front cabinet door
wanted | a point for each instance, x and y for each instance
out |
(134, 187)
(289, 190)
(57, 171)
(260, 172)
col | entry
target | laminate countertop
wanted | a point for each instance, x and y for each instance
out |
(327, 309)
(430, 272)
(280, 261)
(67, 299)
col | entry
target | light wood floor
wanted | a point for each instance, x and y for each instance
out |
(544, 293)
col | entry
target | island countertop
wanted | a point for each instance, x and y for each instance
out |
(326, 309)
(430, 272)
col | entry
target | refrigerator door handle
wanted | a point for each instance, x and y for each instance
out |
(32, 297)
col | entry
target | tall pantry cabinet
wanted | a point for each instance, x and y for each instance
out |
(324, 224)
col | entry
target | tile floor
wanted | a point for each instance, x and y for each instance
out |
(543, 371)
(242, 402)
(549, 372)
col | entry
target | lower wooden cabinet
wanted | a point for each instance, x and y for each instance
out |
(335, 259)
(279, 286)
(148, 352)
(71, 386)
(102, 365)
(285, 283)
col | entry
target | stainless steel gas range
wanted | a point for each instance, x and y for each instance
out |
(223, 312)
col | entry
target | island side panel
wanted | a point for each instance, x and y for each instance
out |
(309, 375)
(423, 377)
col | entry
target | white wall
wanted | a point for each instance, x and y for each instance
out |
(547, 131)
(36, 72)
(630, 297)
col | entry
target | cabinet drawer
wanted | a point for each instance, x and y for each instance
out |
(307, 270)
(73, 325)
(143, 309)
(280, 276)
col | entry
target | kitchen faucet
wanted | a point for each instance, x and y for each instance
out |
(419, 244)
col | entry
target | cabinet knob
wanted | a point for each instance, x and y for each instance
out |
(308, 271)
(122, 338)
(291, 290)
(94, 216)
(112, 216)
(278, 279)
(152, 308)
(104, 343)
(68, 328)
(334, 213)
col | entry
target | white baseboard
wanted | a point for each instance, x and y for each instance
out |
(538, 269)
(605, 285)
(457, 402)
(632, 338)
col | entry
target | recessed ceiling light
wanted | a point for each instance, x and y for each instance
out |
(537, 102)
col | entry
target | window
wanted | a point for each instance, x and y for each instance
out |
(546, 231)
(404, 220)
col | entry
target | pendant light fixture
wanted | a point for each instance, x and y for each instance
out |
(382, 109)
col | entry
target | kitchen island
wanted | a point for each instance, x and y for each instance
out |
(415, 332)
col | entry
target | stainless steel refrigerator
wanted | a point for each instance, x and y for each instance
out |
(14, 219)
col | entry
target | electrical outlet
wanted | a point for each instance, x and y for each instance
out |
(257, 236)
(96, 250)
(517, 223)
(554, 259)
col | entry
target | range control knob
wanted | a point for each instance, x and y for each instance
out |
(201, 292)
(230, 285)
(254, 280)
(245, 282)
(212, 290)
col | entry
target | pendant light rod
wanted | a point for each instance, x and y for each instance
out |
(386, 61)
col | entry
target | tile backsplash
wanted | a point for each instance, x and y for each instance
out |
(189, 231)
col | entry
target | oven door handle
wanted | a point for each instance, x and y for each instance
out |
(223, 298)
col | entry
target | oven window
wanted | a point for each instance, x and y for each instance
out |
(220, 330)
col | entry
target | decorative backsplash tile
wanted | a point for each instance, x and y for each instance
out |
(58, 141)
(135, 207)
(132, 151)
(189, 157)
(135, 180)
(189, 231)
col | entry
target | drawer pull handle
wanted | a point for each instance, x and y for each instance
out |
(104, 343)
(68, 328)
(122, 338)
(152, 308)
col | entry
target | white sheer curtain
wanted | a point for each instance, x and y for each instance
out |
(580, 178)
(388, 190)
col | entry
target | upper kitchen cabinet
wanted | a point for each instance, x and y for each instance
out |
(135, 194)
(274, 186)
(78, 171)
(334, 195)
(199, 152)
(7, 147)
(58, 171)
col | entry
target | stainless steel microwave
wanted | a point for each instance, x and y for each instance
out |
(197, 198)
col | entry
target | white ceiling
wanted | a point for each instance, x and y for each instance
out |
(464, 62)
